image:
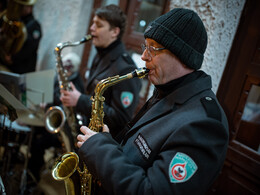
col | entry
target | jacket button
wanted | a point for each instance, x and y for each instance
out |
(208, 98)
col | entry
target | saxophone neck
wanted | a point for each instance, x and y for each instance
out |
(60, 46)
(85, 39)
(105, 83)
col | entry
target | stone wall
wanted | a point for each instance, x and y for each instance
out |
(221, 18)
(68, 21)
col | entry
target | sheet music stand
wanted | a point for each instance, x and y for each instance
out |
(15, 83)
(25, 116)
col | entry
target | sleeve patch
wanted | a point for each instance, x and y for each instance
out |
(36, 34)
(181, 168)
(127, 98)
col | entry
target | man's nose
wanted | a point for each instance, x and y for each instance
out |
(145, 56)
(92, 27)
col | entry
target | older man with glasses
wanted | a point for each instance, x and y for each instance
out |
(177, 142)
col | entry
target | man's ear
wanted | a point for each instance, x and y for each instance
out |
(115, 32)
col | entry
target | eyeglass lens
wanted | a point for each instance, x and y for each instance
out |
(149, 50)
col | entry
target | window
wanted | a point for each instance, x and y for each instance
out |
(249, 129)
(139, 15)
(148, 11)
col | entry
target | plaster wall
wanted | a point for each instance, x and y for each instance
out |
(68, 21)
(221, 18)
(61, 21)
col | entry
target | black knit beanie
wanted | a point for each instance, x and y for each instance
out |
(182, 32)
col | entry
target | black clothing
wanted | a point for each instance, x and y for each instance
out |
(121, 99)
(177, 146)
(160, 92)
(76, 79)
(25, 60)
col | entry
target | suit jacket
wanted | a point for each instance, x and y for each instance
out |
(121, 100)
(177, 147)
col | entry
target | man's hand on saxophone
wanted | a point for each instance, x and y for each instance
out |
(70, 98)
(87, 133)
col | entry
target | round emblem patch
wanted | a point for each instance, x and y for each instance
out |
(126, 98)
(181, 168)
(179, 172)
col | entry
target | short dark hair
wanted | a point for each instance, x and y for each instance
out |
(114, 16)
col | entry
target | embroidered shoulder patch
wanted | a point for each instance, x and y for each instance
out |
(181, 168)
(126, 98)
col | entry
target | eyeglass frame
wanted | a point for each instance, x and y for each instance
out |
(144, 47)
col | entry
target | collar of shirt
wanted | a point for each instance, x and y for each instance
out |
(103, 51)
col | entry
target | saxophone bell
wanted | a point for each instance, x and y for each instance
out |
(67, 165)
(54, 119)
(65, 170)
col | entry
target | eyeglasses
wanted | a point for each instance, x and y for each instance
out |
(151, 50)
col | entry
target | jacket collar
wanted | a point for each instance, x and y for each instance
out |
(105, 62)
(178, 97)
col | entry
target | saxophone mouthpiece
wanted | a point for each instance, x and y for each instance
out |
(86, 38)
(140, 72)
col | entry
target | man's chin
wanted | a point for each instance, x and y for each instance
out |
(152, 79)
(94, 41)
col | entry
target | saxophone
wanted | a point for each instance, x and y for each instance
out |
(55, 116)
(66, 166)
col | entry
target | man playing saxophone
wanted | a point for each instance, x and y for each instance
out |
(111, 59)
(177, 142)
(42, 139)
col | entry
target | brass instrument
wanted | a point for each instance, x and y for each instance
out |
(68, 163)
(55, 117)
(13, 31)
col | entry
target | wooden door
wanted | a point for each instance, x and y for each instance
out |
(239, 94)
